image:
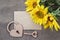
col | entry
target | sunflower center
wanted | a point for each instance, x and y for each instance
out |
(34, 4)
(51, 20)
(39, 14)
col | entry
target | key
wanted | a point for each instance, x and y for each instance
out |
(34, 34)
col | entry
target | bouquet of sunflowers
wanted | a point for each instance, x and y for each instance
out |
(44, 12)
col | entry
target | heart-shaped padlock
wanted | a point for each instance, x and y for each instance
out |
(17, 31)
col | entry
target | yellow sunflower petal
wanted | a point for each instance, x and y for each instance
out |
(42, 6)
(45, 19)
(51, 27)
(46, 26)
(28, 8)
(56, 28)
(38, 3)
(56, 24)
(46, 10)
(28, 3)
(40, 21)
(34, 11)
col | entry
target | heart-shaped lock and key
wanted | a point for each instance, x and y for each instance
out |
(18, 30)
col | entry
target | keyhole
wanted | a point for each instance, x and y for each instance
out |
(34, 34)
(17, 32)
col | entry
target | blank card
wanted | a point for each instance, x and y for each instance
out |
(24, 18)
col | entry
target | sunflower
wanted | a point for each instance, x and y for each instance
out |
(38, 14)
(51, 22)
(31, 4)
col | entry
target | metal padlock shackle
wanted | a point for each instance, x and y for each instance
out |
(11, 23)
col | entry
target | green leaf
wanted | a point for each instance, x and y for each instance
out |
(58, 2)
(43, 1)
(50, 9)
(56, 18)
(51, 1)
(57, 12)
(54, 15)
